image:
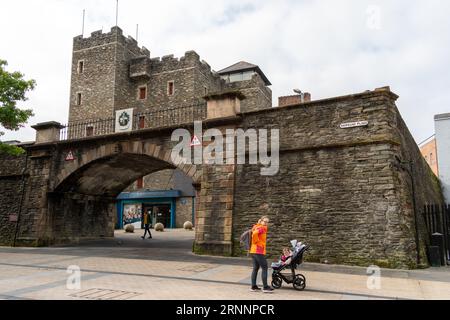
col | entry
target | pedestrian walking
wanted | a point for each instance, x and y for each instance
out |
(258, 254)
(147, 225)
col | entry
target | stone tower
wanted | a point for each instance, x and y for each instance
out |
(110, 72)
(99, 84)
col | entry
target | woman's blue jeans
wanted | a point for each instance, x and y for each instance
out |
(259, 261)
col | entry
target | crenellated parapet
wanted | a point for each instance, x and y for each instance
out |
(98, 38)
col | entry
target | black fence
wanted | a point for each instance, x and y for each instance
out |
(163, 117)
(437, 220)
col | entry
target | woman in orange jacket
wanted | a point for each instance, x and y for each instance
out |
(258, 253)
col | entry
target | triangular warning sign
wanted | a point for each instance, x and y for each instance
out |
(70, 156)
(195, 142)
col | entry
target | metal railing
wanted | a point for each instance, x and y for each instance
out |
(437, 220)
(163, 117)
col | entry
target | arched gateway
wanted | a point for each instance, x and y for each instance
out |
(81, 179)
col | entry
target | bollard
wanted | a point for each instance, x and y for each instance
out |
(437, 240)
(434, 256)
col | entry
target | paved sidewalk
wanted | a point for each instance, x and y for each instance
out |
(129, 268)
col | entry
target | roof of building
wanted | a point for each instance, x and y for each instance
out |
(427, 141)
(244, 66)
(443, 116)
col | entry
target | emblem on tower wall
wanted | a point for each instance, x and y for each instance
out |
(124, 120)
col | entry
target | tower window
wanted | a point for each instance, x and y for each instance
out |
(142, 122)
(80, 66)
(79, 99)
(142, 93)
(170, 88)
(89, 131)
(140, 183)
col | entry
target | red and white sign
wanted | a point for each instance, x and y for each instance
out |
(70, 156)
(195, 142)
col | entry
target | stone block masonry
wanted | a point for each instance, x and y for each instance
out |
(12, 169)
(340, 190)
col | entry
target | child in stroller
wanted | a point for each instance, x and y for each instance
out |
(290, 262)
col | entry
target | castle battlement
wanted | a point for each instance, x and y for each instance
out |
(170, 62)
(99, 38)
(110, 72)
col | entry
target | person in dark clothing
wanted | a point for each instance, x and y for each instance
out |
(147, 225)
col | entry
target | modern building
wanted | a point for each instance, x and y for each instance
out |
(428, 149)
(442, 127)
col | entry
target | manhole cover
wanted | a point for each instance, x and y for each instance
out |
(105, 294)
(197, 268)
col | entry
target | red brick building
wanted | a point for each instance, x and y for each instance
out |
(429, 151)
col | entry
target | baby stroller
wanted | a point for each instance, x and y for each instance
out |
(297, 280)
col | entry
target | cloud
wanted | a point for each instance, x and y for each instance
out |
(327, 47)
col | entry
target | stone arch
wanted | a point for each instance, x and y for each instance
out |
(82, 202)
(132, 149)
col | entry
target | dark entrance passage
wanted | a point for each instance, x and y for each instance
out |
(91, 203)
(160, 213)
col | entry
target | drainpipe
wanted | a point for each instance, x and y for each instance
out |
(193, 211)
(21, 200)
(409, 171)
(415, 211)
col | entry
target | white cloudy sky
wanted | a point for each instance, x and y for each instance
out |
(326, 47)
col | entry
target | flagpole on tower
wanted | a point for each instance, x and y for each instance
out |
(137, 32)
(117, 13)
(82, 29)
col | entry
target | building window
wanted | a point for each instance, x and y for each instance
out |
(431, 159)
(140, 183)
(226, 78)
(79, 99)
(89, 131)
(170, 88)
(142, 122)
(142, 93)
(80, 66)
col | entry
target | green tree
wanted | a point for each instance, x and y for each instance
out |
(13, 88)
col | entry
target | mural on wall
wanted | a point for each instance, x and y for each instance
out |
(132, 213)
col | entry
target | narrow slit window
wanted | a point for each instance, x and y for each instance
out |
(80, 66)
(170, 88)
(142, 93)
(79, 99)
